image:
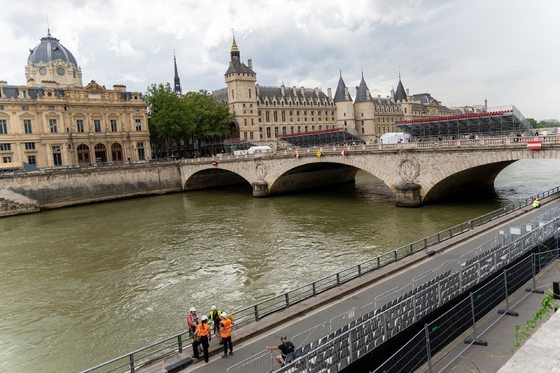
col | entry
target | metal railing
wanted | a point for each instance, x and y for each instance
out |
(259, 310)
(331, 349)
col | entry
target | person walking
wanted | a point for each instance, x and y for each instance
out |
(286, 347)
(225, 332)
(192, 321)
(214, 318)
(203, 335)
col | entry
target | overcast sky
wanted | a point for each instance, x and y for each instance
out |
(461, 52)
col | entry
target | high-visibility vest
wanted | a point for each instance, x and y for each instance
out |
(202, 330)
(225, 331)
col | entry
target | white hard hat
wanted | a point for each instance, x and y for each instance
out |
(213, 308)
(223, 314)
(193, 309)
(204, 318)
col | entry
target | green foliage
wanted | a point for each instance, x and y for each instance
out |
(548, 306)
(169, 116)
(210, 120)
(541, 124)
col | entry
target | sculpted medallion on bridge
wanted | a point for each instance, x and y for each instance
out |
(261, 171)
(409, 169)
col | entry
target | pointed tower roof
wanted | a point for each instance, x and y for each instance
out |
(178, 90)
(234, 50)
(235, 65)
(401, 93)
(340, 91)
(361, 94)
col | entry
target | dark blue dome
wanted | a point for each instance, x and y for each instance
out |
(50, 50)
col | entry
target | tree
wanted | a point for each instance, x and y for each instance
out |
(168, 116)
(210, 119)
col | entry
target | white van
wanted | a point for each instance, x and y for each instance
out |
(259, 150)
(394, 138)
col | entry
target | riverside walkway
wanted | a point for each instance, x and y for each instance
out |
(250, 339)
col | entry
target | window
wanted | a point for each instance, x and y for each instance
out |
(5, 147)
(249, 92)
(275, 116)
(80, 125)
(52, 125)
(137, 109)
(31, 160)
(283, 116)
(3, 127)
(29, 146)
(268, 132)
(57, 156)
(7, 159)
(232, 95)
(140, 146)
(97, 125)
(25, 107)
(250, 135)
(27, 126)
(23, 94)
(245, 135)
(114, 125)
(51, 107)
(267, 115)
(252, 122)
(1, 106)
(139, 126)
(245, 122)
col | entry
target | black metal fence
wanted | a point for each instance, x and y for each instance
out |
(432, 313)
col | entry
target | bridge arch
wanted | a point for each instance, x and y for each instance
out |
(415, 174)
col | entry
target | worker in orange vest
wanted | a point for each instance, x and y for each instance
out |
(203, 335)
(225, 332)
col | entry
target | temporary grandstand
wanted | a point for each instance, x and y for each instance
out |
(331, 137)
(498, 122)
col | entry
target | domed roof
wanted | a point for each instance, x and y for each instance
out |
(50, 50)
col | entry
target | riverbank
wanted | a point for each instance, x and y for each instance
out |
(31, 192)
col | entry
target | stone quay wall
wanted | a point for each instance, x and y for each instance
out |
(66, 187)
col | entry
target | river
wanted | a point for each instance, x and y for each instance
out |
(85, 284)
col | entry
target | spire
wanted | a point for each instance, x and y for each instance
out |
(178, 91)
(234, 50)
(340, 94)
(361, 95)
(401, 93)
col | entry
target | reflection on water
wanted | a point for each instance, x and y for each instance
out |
(82, 285)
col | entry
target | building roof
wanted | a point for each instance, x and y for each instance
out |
(340, 91)
(50, 50)
(308, 95)
(401, 93)
(361, 95)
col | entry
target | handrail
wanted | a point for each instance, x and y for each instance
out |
(261, 309)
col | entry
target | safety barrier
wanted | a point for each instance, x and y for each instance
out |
(131, 360)
(331, 348)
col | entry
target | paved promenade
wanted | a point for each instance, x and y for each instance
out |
(251, 339)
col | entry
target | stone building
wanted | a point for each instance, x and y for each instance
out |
(263, 113)
(54, 120)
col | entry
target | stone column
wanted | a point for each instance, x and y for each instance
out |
(260, 189)
(408, 195)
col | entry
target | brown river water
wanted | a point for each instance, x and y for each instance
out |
(85, 284)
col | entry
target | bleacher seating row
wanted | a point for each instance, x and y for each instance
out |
(337, 349)
(452, 117)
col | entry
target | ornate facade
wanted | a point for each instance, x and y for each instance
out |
(263, 113)
(55, 121)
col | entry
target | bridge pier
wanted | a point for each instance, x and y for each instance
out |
(260, 189)
(408, 195)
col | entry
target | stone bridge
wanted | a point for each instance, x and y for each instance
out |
(416, 172)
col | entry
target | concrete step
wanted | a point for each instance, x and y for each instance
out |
(12, 203)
